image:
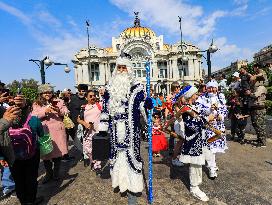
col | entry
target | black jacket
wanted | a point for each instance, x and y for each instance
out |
(74, 107)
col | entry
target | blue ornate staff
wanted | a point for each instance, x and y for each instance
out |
(149, 129)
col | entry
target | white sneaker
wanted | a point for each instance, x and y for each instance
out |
(177, 163)
(196, 192)
(212, 174)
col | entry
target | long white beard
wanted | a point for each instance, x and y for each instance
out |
(119, 88)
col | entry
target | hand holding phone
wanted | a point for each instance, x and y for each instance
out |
(3, 97)
(12, 113)
(20, 101)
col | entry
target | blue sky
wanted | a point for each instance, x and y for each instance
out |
(36, 28)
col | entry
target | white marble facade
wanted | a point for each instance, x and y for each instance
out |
(142, 44)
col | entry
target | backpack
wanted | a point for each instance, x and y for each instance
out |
(23, 141)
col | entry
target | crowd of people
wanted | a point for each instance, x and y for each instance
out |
(109, 124)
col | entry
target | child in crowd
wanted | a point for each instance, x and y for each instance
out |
(238, 116)
(159, 142)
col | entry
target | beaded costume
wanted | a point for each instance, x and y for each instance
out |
(205, 103)
(124, 126)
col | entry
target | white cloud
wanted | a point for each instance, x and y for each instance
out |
(240, 2)
(241, 8)
(197, 25)
(58, 42)
(165, 14)
(61, 43)
(16, 12)
(48, 18)
(226, 53)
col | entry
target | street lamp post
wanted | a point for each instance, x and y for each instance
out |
(181, 47)
(47, 62)
(89, 54)
(183, 58)
(212, 49)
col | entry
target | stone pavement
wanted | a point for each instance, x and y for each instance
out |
(245, 177)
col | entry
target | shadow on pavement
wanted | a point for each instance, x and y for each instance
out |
(52, 188)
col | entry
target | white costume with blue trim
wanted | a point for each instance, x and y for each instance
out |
(194, 147)
(204, 104)
(122, 106)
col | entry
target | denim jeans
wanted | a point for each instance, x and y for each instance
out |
(7, 180)
(132, 199)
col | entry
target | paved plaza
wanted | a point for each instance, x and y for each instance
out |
(245, 177)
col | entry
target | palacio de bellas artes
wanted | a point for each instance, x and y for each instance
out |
(169, 63)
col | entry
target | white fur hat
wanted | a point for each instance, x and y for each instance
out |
(236, 74)
(212, 84)
(123, 61)
(193, 90)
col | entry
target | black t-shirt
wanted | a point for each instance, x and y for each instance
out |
(75, 106)
(245, 82)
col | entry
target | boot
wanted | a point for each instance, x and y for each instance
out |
(212, 173)
(196, 192)
(87, 162)
(49, 172)
(56, 170)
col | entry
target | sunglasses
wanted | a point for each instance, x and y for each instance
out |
(47, 93)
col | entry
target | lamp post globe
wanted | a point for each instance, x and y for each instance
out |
(213, 48)
(48, 62)
(67, 69)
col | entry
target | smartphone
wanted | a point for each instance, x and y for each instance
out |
(7, 91)
(19, 90)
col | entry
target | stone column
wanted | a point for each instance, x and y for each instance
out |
(169, 73)
(191, 69)
(79, 74)
(76, 75)
(175, 68)
(155, 70)
(85, 73)
(107, 72)
(102, 73)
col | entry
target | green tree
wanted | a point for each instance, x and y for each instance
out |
(29, 88)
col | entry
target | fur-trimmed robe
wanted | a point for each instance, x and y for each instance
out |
(124, 127)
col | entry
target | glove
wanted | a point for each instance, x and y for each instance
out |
(149, 103)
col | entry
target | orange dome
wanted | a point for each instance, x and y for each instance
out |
(138, 32)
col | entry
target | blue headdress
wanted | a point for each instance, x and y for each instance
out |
(182, 92)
